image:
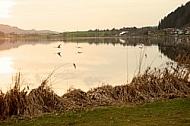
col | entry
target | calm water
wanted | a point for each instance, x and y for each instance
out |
(96, 64)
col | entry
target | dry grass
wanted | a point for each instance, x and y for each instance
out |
(167, 83)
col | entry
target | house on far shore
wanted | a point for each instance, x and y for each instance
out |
(169, 29)
(123, 33)
(175, 31)
(187, 31)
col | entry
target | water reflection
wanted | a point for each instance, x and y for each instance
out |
(148, 41)
(6, 65)
(111, 61)
(177, 49)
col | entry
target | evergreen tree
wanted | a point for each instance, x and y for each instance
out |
(177, 19)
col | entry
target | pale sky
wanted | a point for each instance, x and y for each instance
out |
(72, 15)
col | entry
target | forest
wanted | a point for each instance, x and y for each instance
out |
(180, 18)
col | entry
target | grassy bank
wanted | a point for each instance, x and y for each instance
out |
(169, 112)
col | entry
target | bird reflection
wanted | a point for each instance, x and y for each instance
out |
(59, 54)
(145, 55)
(79, 52)
(79, 47)
(74, 65)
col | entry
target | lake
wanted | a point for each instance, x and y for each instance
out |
(83, 64)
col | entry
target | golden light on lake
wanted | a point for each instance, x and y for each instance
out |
(6, 65)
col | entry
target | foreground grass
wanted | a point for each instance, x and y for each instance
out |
(170, 112)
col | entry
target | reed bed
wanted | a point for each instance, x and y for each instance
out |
(169, 82)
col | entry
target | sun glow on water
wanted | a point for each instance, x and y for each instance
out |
(6, 65)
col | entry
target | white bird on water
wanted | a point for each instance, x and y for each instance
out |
(141, 45)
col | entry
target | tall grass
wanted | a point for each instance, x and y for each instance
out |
(14, 101)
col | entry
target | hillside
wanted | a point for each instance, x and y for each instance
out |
(180, 18)
(9, 29)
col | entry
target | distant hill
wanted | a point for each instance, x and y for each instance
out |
(180, 18)
(9, 29)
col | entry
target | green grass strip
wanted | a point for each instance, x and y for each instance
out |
(160, 113)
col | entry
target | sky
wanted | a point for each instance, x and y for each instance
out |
(73, 15)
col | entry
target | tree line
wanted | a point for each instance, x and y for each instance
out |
(180, 18)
